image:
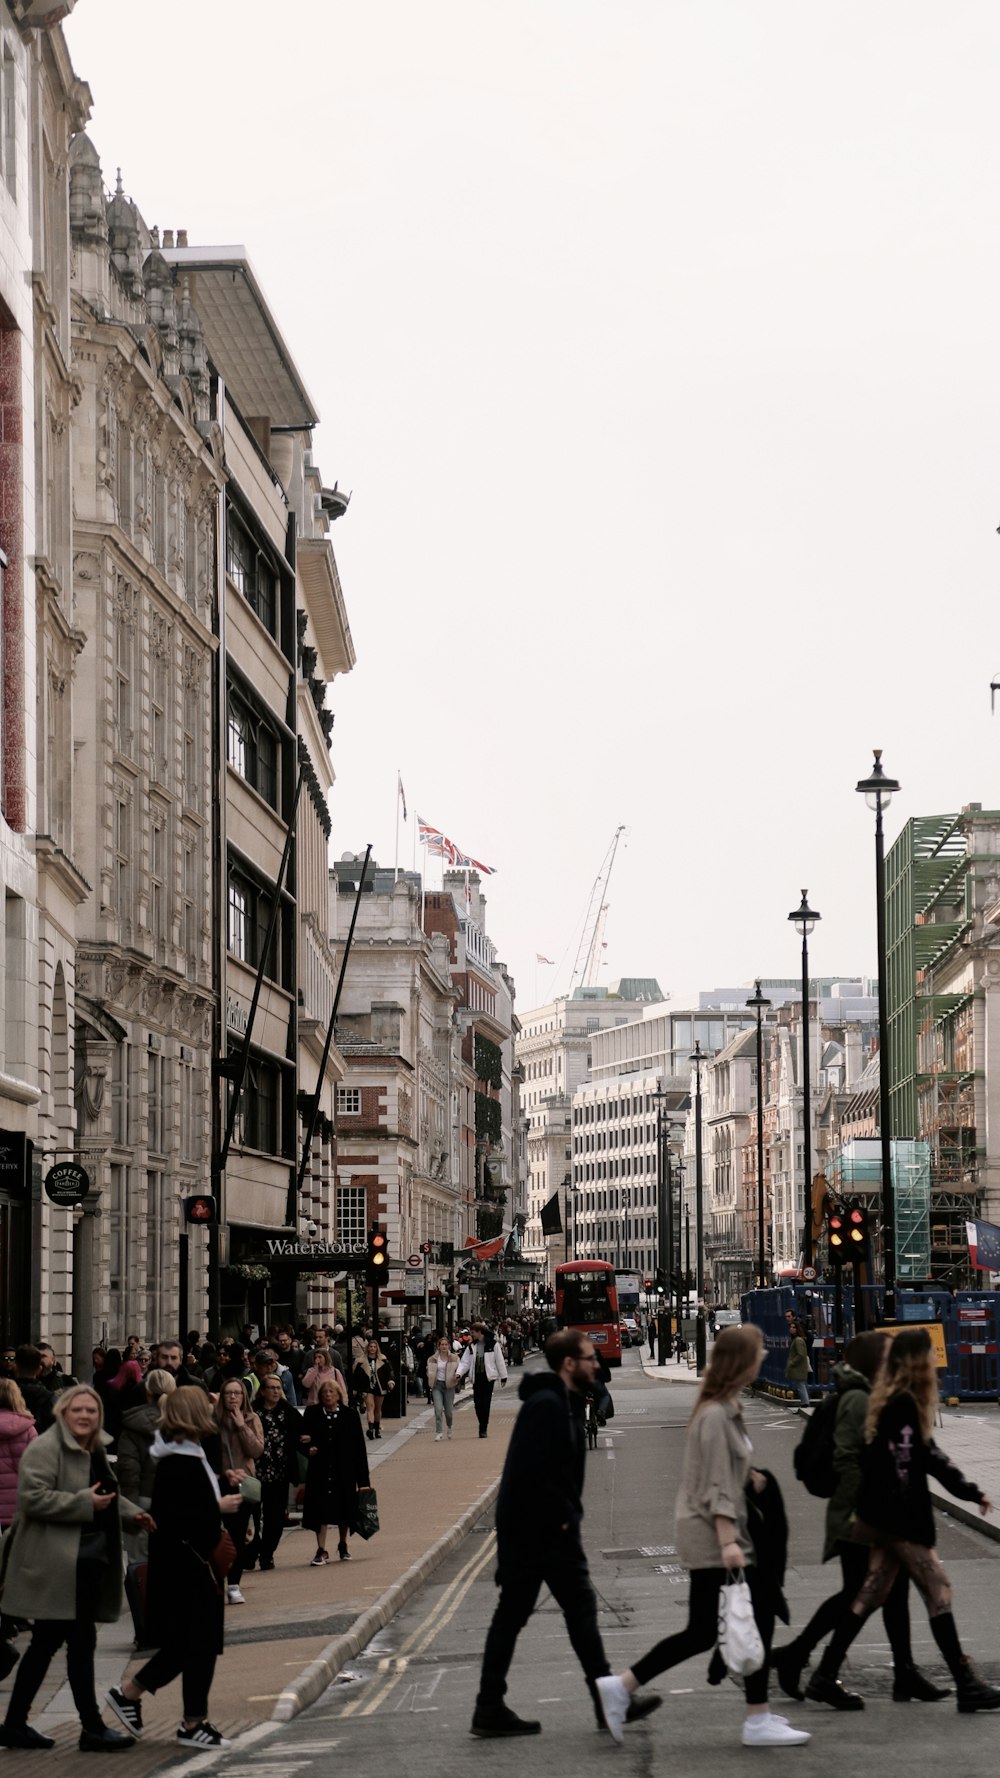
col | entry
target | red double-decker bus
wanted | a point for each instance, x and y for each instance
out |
(587, 1298)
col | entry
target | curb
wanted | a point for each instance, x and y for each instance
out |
(966, 1514)
(314, 1679)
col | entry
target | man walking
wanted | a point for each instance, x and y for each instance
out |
(538, 1517)
(484, 1359)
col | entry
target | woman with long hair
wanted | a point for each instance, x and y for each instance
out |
(184, 1609)
(242, 1440)
(712, 1539)
(442, 1376)
(17, 1430)
(895, 1513)
(322, 1370)
(337, 1468)
(277, 1465)
(61, 1565)
(373, 1380)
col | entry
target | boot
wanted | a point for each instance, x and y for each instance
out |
(371, 1432)
(909, 1685)
(824, 1690)
(973, 1692)
(788, 1663)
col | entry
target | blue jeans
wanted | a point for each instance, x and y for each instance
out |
(801, 1390)
(444, 1402)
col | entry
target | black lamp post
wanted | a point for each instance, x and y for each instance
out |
(878, 791)
(804, 919)
(664, 1223)
(697, 1058)
(758, 1002)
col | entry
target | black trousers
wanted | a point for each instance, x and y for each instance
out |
(702, 1629)
(520, 1576)
(47, 1636)
(242, 1518)
(482, 1396)
(193, 1656)
(273, 1501)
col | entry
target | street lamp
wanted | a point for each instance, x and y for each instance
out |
(664, 1222)
(878, 791)
(804, 919)
(697, 1058)
(758, 1002)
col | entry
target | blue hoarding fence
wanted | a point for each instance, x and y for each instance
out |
(970, 1321)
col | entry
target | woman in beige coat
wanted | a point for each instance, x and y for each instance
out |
(61, 1565)
(242, 1438)
(712, 1540)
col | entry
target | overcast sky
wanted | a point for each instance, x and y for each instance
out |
(658, 342)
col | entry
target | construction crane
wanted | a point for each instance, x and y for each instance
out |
(592, 937)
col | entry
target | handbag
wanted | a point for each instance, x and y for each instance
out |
(250, 1490)
(222, 1557)
(740, 1643)
(366, 1521)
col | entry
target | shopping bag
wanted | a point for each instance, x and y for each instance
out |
(740, 1642)
(366, 1523)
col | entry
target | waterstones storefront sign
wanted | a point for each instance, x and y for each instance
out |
(311, 1256)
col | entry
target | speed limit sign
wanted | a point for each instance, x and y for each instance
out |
(809, 1274)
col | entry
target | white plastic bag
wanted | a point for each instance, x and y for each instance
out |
(740, 1642)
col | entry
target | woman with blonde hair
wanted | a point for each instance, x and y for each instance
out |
(322, 1370)
(895, 1513)
(184, 1603)
(712, 1539)
(61, 1564)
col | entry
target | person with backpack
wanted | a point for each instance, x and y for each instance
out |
(828, 1464)
(895, 1513)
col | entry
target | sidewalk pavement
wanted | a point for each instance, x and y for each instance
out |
(300, 1624)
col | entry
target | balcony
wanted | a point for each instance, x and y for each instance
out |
(317, 980)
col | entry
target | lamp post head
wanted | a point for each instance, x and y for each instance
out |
(804, 917)
(758, 1000)
(877, 790)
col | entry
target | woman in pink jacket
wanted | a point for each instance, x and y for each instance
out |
(17, 1429)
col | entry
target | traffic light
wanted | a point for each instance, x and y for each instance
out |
(647, 1285)
(199, 1210)
(837, 1236)
(377, 1266)
(857, 1230)
(661, 1280)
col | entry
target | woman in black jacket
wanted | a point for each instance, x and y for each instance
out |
(373, 1380)
(277, 1464)
(895, 1513)
(184, 1606)
(338, 1467)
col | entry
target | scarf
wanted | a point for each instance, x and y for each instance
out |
(184, 1447)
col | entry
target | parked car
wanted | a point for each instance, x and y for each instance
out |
(626, 1334)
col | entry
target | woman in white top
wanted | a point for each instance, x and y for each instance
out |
(485, 1361)
(442, 1375)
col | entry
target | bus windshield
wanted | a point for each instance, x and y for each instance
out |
(585, 1299)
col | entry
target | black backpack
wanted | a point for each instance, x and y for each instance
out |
(813, 1459)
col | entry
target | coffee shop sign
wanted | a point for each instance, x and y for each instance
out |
(286, 1249)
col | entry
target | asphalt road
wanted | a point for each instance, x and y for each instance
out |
(407, 1702)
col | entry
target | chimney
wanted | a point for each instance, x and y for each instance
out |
(168, 237)
(182, 237)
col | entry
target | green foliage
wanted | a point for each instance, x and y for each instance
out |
(488, 1125)
(489, 1062)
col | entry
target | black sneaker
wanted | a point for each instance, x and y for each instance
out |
(496, 1720)
(203, 1735)
(104, 1740)
(128, 1713)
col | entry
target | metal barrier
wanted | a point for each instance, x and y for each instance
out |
(970, 1321)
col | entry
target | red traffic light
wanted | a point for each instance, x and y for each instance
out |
(647, 1284)
(201, 1209)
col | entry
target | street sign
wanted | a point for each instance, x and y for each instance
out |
(412, 1285)
(67, 1184)
(809, 1274)
(426, 1246)
(414, 1260)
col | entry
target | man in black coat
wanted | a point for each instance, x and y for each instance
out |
(538, 1517)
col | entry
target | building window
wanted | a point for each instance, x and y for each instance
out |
(190, 1128)
(123, 689)
(191, 935)
(159, 1253)
(192, 720)
(157, 878)
(123, 859)
(249, 910)
(120, 1119)
(252, 748)
(258, 1119)
(352, 1215)
(349, 1101)
(156, 1094)
(160, 691)
(251, 573)
(119, 1279)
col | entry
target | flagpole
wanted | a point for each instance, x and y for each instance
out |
(395, 862)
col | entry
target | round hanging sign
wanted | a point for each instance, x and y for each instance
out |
(67, 1184)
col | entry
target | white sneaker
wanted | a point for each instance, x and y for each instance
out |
(770, 1731)
(449, 1432)
(614, 1698)
(234, 1596)
(437, 1438)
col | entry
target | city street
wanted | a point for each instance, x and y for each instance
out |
(407, 1700)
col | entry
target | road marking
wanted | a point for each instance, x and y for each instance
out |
(203, 1762)
(423, 1636)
